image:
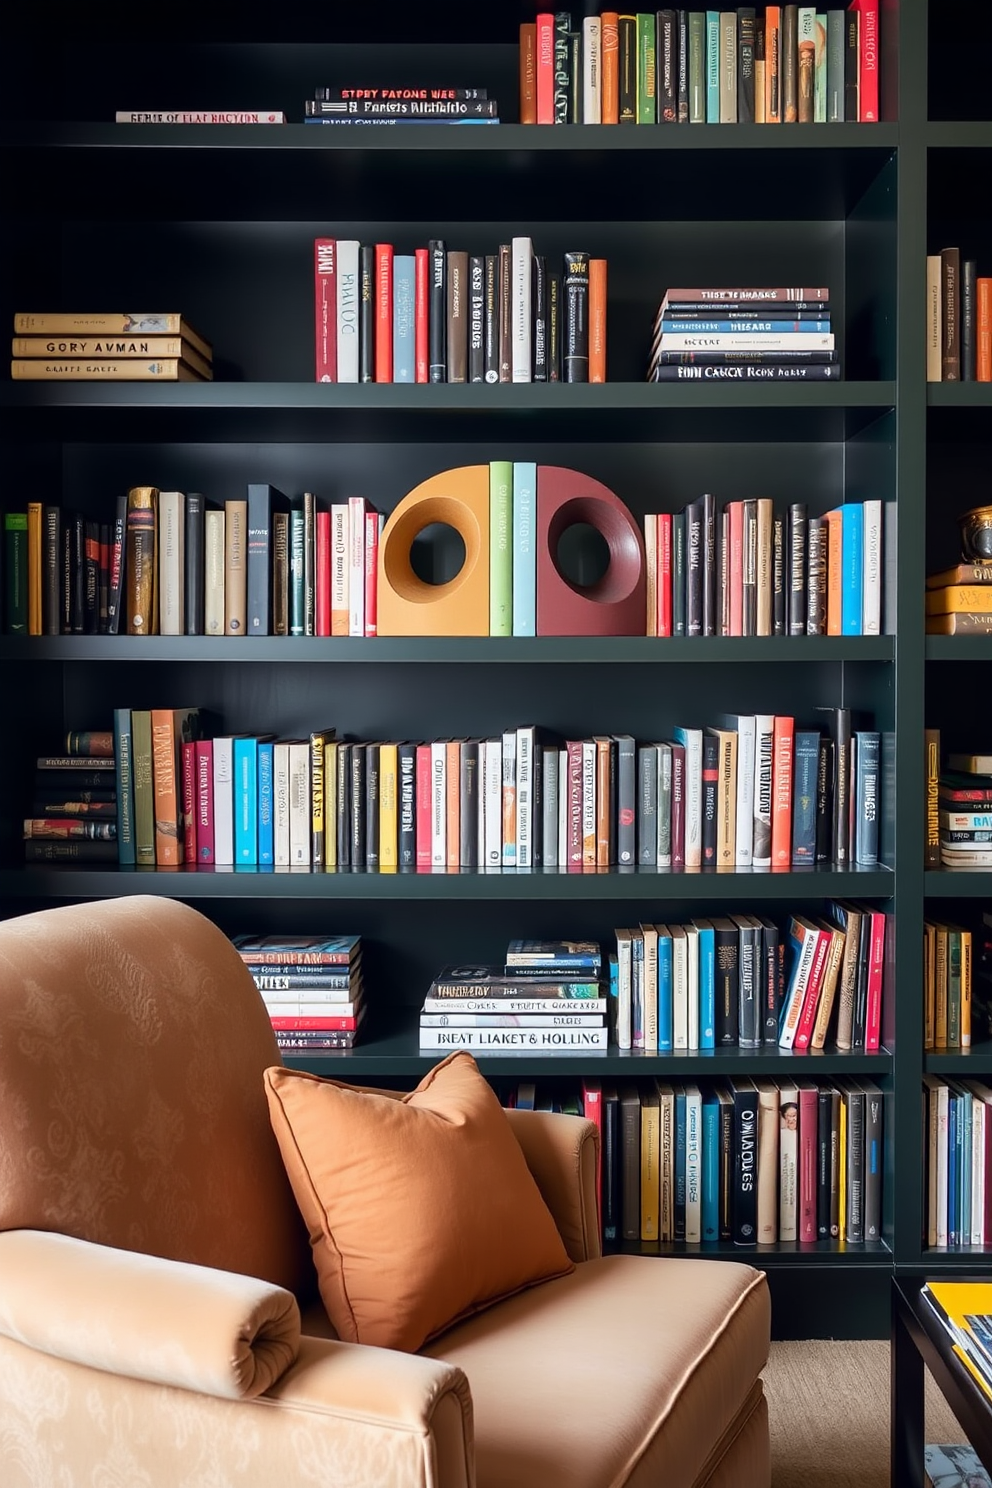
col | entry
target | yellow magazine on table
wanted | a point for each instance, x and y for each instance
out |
(965, 1309)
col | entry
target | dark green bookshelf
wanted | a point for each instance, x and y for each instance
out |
(959, 1061)
(959, 883)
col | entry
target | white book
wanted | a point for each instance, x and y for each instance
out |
(788, 1162)
(549, 794)
(764, 742)
(563, 809)
(871, 578)
(521, 1040)
(649, 986)
(493, 802)
(693, 1165)
(312, 1007)
(339, 568)
(746, 341)
(743, 725)
(280, 802)
(942, 1096)
(224, 799)
(171, 562)
(584, 1007)
(691, 740)
(624, 984)
(588, 803)
(509, 807)
(680, 988)
(213, 563)
(692, 983)
(795, 992)
(663, 815)
(592, 70)
(521, 270)
(934, 319)
(509, 1017)
(525, 797)
(300, 810)
(356, 565)
(439, 803)
(349, 296)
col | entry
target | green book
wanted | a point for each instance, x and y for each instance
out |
(820, 74)
(501, 547)
(144, 794)
(15, 526)
(647, 88)
(697, 67)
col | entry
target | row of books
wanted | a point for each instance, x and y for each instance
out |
(74, 803)
(792, 64)
(947, 987)
(780, 333)
(441, 315)
(311, 985)
(401, 106)
(743, 570)
(959, 319)
(112, 348)
(958, 823)
(737, 981)
(958, 1164)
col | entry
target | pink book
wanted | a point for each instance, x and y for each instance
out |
(782, 743)
(325, 309)
(323, 576)
(204, 756)
(574, 847)
(806, 1217)
(373, 526)
(421, 316)
(736, 567)
(876, 969)
(807, 1018)
(545, 55)
(383, 312)
(189, 801)
(335, 1025)
(664, 573)
(424, 807)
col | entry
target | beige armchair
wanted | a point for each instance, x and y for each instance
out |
(159, 1323)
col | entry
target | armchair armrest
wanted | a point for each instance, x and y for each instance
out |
(167, 1322)
(562, 1153)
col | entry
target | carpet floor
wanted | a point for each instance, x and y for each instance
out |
(828, 1410)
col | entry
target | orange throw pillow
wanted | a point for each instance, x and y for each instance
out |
(421, 1210)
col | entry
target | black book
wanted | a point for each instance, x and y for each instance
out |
(839, 723)
(78, 573)
(726, 941)
(797, 569)
(726, 1164)
(104, 594)
(51, 569)
(65, 580)
(356, 810)
(563, 64)
(772, 980)
(824, 800)
(745, 64)
(343, 805)
(438, 310)
(366, 314)
(854, 1096)
(824, 1132)
(779, 578)
(750, 1013)
(194, 576)
(630, 1144)
(678, 574)
(575, 77)
(679, 1163)
(711, 786)
(694, 568)
(57, 781)
(626, 70)
(866, 787)
(406, 845)
(468, 802)
(709, 564)
(491, 319)
(371, 752)
(969, 315)
(476, 318)
(874, 1157)
(611, 1165)
(683, 66)
(816, 576)
(647, 805)
(91, 579)
(554, 327)
(263, 500)
(575, 343)
(852, 58)
(118, 548)
(745, 1187)
(667, 67)
(539, 306)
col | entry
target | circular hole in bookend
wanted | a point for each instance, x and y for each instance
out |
(582, 555)
(437, 554)
(614, 534)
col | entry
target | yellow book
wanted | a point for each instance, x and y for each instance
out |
(650, 1164)
(842, 1175)
(235, 567)
(330, 803)
(34, 567)
(956, 599)
(322, 799)
(96, 369)
(965, 1309)
(388, 791)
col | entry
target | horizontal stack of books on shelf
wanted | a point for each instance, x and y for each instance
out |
(959, 599)
(756, 792)
(743, 1162)
(743, 570)
(959, 319)
(958, 1162)
(200, 116)
(776, 64)
(958, 809)
(311, 986)
(74, 805)
(444, 315)
(753, 334)
(395, 105)
(737, 981)
(947, 986)
(109, 348)
(547, 997)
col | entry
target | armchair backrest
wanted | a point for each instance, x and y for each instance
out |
(132, 1110)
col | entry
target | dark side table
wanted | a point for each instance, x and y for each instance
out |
(918, 1339)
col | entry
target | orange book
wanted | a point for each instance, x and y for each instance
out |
(983, 346)
(835, 573)
(528, 73)
(782, 739)
(383, 312)
(171, 728)
(603, 798)
(597, 320)
(773, 64)
(610, 45)
(453, 820)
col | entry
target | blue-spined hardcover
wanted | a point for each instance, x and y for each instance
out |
(806, 759)
(524, 548)
(867, 798)
(266, 841)
(678, 1208)
(404, 301)
(262, 501)
(674, 326)
(124, 770)
(707, 985)
(664, 993)
(711, 1169)
(712, 67)
(245, 800)
(953, 1169)
(852, 567)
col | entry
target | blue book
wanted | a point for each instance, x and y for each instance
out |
(866, 795)
(404, 300)
(806, 757)
(245, 800)
(674, 327)
(524, 548)
(711, 1168)
(266, 839)
(964, 1177)
(852, 567)
(679, 1206)
(665, 1005)
(953, 1169)
(707, 984)
(614, 995)
(712, 67)
(637, 989)
(124, 770)
(263, 500)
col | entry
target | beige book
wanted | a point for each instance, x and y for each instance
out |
(213, 563)
(788, 1161)
(650, 1163)
(849, 970)
(768, 1161)
(933, 318)
(649, 988)
(94, 369)
(235, 567)
(171, 562)
(666, 1166)
(766, 517)
(759, 90)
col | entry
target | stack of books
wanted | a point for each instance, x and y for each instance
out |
(401, 106)
(964, 1308)
(959, 319)
(547, 997)
(959, 600)
(109, 348)
(744, 335)
(74, 816)
(964, 803)
(311, 986)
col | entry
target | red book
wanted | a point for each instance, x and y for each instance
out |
(421, 316)
(383, 312)
(736, 567)
(592, 1109)
(545, 68)
(325, 308)
(782, 740)
(678, 806)
(337, 1025)
(806, 1208)
(424, 806)
(876, 970)
(807, 1018)
(373, 523)
(322, 624)
(574, 846)
(204, 800)
(868, 60)
(664, 573)
(189, 800)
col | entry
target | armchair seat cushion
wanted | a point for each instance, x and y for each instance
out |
(626, 1372)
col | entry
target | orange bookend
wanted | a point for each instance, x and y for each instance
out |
(597, 320)
(834, 573)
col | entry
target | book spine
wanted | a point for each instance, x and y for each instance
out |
(142, 614)
(259, 564)
(544, 84)
(188, 798)
(562, 66)
(666, 56)
(835, 67)
(575, 344)
(745, 64)
(745, 1203)
(213, 559)
(806, 1159)
(597, 320)
(322, 608)
(806, 63)
(366, 313)
(123, 765)
(501, 547)
(931, 851)
(346, 328)
(697, 67)
(264, 770)
(539, 302)
(325, 306)
(728, 67)
(868, 102)
(781, 822)
(806, 764)
(868, 749)
(950, 268)
(627, 69)
(404, 318)
(235, 567)
(592, 70)
(968, 281)
(522, 253)
(504, 281)
(983, 333)
(790, 64)
(476, 318)
(166, 788)
(646, 68)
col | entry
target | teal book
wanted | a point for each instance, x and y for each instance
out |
(805, 760)
(125, 786)
(266, 836)
(15, 535)
(835, 66)
(820, 69)
(707, 984)
(665, 1004)
(852, 567)
(246, 801)
(403, 317)
(297, 569)
(711, 1168)
(524, 548)
(712, 67)
(500, 547)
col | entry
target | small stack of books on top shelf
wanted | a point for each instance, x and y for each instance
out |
(959, 600)
(311, 986)
(401, 106)
(546, 998)
(744, 335)
(109, 348)
(959, 319)
(74, 808)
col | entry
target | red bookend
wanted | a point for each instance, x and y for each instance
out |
(383, 312)
(421, 317)
(424, 807)
(322, 624)
(325, 309)
(614, 604)
(204, 800)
